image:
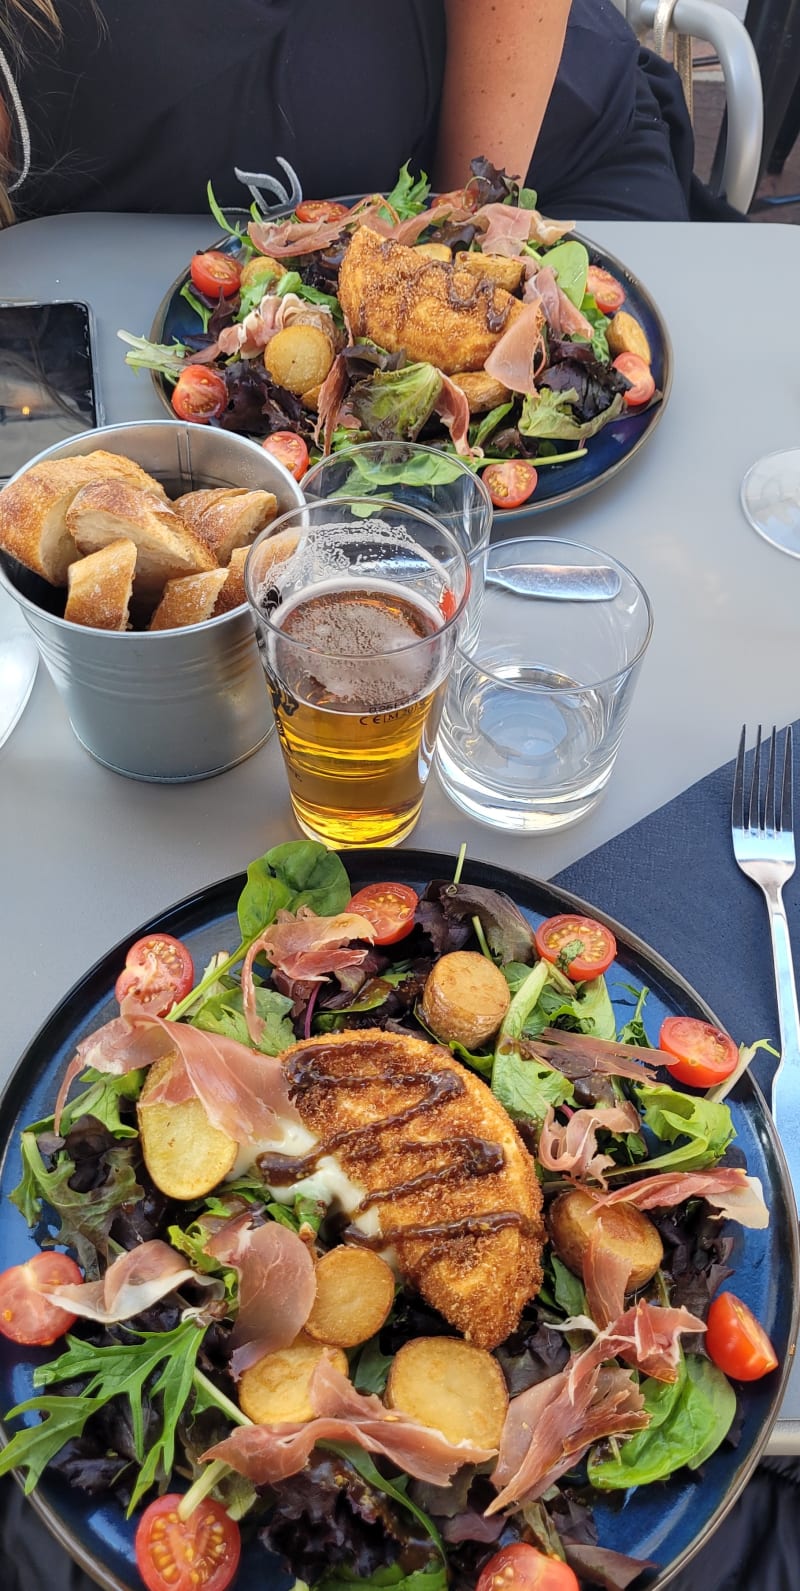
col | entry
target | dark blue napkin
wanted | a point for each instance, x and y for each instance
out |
(672, 880)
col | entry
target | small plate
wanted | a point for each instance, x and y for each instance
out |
(608, 451)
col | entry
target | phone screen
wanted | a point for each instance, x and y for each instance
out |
(47, 381)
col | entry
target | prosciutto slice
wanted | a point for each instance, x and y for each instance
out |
(646, 1337)
(305, 947)
(132, 1283)
(277, 1286)
(452, 408)
(572, 1149)
(251, 335)
(267, 1454)
(505, 221)
(514, 356)
(605, 1276)
(549, 1427)
(730, 1190)
(329, 402)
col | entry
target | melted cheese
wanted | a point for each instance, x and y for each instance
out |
(328, 1181)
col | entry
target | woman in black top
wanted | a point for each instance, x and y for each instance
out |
(134, 104)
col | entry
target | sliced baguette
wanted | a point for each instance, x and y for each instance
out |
(33, 509)
(226, 517)
(110, 511)
(232, 593)
(101, 587)
(189, 600)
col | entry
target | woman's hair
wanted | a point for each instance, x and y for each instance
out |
(39, 14)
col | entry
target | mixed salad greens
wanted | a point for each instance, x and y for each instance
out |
(147, 1387)
(273, 355)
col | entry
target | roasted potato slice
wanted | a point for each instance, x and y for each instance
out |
(507, 273)
(574, 1216)
(299, 357)
(185, 1155)
(449, 1385)
(355, 1291)
(626, 336)
(483, 392)
(465, 998)
(434, 251)
(262, 268)
(275, 1390)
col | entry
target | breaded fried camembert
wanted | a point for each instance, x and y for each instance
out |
(442, 1166)
(446, 314)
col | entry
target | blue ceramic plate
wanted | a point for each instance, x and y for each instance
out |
(608, 451)
(666, 1523)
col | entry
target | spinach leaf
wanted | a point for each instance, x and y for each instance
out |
(371, 1370)
(688, 1420)
(706, 1126)
(162, 1362)
(316, 876)
(568, 1290)
(224, 1013)
(482, 430)
(371, 475)
(570, 261)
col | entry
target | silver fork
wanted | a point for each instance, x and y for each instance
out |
(763, 844)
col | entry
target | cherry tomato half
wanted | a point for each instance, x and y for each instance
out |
(578, 945)
(200, 1553)
(389, 907)
(321, 210)
(158, 971)
(702, 1055)
(199, 394)
(607, 292)
(511, 483)
(520, 1567)
(736, 1342)
(290, 450)
(25, 1314)
(213, 273)
(636, 370)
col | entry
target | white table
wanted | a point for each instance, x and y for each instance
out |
(86, 856)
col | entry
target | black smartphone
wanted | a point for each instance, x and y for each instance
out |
(48, 386)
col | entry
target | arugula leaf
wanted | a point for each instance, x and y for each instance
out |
(633, 1031)
(705, 1124)
(292, 282)
(166, 358)
(101, 1099)
(203, 310)
(550, 414)
(389, 1578)
(409, 195)
(84, 1218)
(220, 216)
(363, 1466)
(527, 1088)
(224, 1013)
(688, 1420)
(302, 1212)
(121, 1370)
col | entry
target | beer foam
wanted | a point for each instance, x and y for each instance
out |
(363, 645)
(324, 554)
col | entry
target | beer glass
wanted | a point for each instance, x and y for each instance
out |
(357, 603)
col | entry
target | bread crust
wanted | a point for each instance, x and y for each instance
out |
(101, 587)
(189, 600)
(107, 511)
(456, 1168)
(226, 517)
(33, 509)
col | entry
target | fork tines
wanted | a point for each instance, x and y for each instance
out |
(764, 816)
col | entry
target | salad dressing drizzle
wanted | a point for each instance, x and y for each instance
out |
(472, 1156)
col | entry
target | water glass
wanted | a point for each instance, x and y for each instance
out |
(357, 604)
(537, 699)
(421, 477)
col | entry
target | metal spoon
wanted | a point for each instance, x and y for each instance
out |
(558, 582)
(19, 660)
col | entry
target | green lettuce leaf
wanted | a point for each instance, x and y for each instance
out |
(589, 1011)
(409, 195)
(84, 1219)
(394, 403)
(549, 414)
(705, 1126)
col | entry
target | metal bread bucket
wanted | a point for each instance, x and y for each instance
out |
(168, 705)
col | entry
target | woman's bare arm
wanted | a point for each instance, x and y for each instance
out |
(502, 59)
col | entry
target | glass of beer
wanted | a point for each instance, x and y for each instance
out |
(357, 604)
